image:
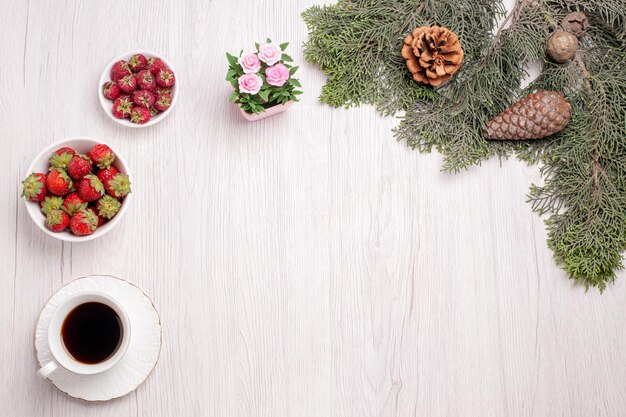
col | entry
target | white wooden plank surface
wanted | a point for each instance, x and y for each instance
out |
(308, 265)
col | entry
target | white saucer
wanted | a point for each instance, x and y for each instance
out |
(140, 358)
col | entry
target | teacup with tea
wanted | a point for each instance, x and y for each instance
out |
(88, 334)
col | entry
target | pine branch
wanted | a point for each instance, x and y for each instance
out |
(609, 15)
(357, 43)
(585, 177)
(454, 123)
(513, 13)
(596, 153)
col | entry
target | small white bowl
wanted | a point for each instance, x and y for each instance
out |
(107, 105)
(41, 164)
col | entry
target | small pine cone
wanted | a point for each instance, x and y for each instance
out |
(562, 46)
(575, 23)
(433, 54)
(535, 116)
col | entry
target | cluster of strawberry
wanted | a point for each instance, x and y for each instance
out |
(140, 88)
(82, 191)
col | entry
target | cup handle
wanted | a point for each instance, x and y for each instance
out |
(47, 369)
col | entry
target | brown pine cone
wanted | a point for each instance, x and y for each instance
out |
(535, 116)
(433, 54)
(562, 46)
(575, 23)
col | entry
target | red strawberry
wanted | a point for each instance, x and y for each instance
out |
(73, 204)
(163, 102)
(118, 185)
(35, 188)
(108, 207)
(57, 220)
(101, 220)
(120, 70)
(84, 223)
(155, 65)
(110, 90)
(58, 182)
(122, 108)
(102, 155)
(79, 166)
(51, 203)
(127, 84)
(61, 157)
(144, 98)
(145, 80)
(164, 90)
(107, 174)
(140, 115)
(153, 111)
(165, 78)
(90, 188)
(115, 183)
(65, 149)
(137, 62)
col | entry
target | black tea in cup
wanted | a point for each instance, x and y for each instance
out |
(92, 332)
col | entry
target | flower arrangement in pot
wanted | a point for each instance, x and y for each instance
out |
(263, 80)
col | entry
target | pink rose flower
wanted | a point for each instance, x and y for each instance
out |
(250, 83)
(277, 75)
(270, 53)
(250, 63)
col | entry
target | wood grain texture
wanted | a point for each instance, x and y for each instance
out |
(306, 265)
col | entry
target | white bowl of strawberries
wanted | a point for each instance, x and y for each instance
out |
(138, 89)
(77, 189)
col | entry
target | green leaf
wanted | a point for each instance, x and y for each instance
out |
(256, 45)
(268, 40)
(284, 46)
(295, 82)
(264, 94)
(286, 58)
(292, 70)
(231, 74)
(231, 60)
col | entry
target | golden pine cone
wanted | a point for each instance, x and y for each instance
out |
(433, 54)
(535, 116)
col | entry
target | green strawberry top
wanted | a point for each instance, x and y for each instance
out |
(89, 219)
(49, 204)
(61, 161)
(119, 185)
(108, 206)
(54, 217)
(95, 183)
(33, 187)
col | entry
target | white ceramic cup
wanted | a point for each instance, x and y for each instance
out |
(61, 357)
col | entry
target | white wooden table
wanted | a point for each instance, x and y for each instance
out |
(307, 265)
